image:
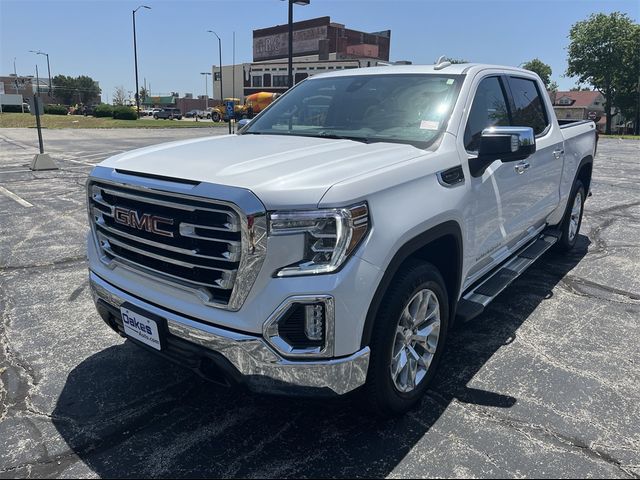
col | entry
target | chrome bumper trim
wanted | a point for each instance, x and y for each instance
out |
(262, 368)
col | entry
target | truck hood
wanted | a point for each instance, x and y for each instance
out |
(283, 171)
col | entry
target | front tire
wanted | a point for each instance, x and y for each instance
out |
(570, 226)
(408, 339)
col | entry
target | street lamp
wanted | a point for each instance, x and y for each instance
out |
(220, 56)
(135, 57)
(206, 91)
(291, 2)
(48, 68)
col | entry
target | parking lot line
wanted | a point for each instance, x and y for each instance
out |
(14, 197)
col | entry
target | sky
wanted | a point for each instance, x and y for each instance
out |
(95, 38)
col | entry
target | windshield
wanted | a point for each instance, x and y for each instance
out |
(401, 108)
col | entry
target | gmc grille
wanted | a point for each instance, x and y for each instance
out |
(201, 250)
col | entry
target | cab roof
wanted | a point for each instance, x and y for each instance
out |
(454, 69)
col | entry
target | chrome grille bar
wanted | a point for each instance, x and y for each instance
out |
(231, 255)
(162, 258)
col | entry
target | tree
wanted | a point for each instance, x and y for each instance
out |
(68, 90)
(579, 88)
(64, 88)
(143, 94)
(542, 69)
(627, 97)
(455, 60)
(599, 54)
(87, 88)
(120, 96)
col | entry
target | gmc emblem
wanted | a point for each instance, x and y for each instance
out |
(147, 222)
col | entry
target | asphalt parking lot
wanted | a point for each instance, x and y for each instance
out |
(546, 383)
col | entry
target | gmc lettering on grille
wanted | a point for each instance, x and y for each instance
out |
(147, 222)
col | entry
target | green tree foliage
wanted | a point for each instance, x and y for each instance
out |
(455, 60)
(626, 97)
(542, 69)
(88, 89)
(69, 90)
(143, 94)
(604, 52)
(579, 88)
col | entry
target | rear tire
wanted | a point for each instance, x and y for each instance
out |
(570, 226)
(392, 389)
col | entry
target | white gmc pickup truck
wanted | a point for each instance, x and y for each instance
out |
(332, 243)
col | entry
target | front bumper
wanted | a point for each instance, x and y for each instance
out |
(237, 357)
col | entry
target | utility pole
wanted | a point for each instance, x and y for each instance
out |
(135, 57)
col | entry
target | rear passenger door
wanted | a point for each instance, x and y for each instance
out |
(494, 216)
(540, 180)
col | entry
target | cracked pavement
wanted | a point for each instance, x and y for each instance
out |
(546, 383)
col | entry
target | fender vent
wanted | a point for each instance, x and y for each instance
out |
(451, 177)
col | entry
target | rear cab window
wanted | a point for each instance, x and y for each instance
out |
(528, 107)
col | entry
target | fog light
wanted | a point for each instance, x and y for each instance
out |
(314, 321)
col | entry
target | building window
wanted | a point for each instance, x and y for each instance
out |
(280, 81)
(266, 80)
(256, 81)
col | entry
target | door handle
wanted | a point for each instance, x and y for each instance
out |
(520, 168)
(558, 153)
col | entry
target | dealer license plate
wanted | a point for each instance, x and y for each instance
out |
(141, 328)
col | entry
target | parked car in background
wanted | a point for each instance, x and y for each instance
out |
(148, 112)
(197, 113)
(168, 113)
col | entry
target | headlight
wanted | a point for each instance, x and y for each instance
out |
(329, 236)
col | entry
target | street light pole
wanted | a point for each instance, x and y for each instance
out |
(48, 68)
(220, 56)
(291, 2)
(135, 57)
(206, 89)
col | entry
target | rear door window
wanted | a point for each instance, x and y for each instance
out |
(528, 110)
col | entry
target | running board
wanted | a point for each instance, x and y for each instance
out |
(475, 300)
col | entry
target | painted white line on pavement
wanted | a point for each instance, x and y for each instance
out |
(15, 197)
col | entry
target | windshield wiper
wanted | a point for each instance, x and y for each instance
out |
(342, 137)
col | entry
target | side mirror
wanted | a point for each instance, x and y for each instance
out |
(508, 144)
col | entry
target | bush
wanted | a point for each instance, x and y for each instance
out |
(124, 113)
(56, 109)
(104, 110)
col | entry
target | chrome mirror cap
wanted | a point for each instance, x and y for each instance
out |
(507, 143)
